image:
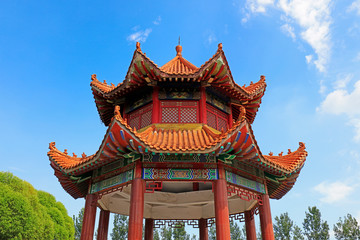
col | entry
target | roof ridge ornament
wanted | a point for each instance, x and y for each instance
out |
(138, 46)
(220, 46)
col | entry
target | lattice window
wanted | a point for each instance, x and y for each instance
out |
(141, 117)
(179, 111)
(216, 118)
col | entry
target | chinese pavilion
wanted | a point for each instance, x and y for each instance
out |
(179, 148)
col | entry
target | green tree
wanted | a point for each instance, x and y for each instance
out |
(283, 227)
(314, 227)
(26, 213)
(297, 233)
(166, 233)
(156, 234)
(235, 231)
(78, 221)
(120, 229)
(180, 234)
(212, 232)
(347, 228)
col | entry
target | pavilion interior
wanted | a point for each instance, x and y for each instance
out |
(176, 200)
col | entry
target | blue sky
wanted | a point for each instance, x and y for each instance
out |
(308, 51)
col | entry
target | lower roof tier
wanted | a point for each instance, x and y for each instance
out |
(235, 146)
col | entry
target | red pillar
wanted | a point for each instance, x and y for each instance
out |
(156, 105)
(267, 230)
(149, 229)
(87, 231)
(136, 205)
(203, 229)
(250, 226)
(103, 225)
(202, 103)
(221, 207)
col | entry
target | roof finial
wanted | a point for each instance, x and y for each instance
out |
(178, 49)
(138, 46)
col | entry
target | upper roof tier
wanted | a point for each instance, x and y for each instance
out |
(215, 73)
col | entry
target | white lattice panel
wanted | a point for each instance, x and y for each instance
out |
(170, 115)
(188, 115)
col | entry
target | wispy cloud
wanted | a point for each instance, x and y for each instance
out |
(333, 192)
(157, 21)
(139, 36)
(211, 38)
(355, 6)
(313, 18)
(344, 102)
(288, 30)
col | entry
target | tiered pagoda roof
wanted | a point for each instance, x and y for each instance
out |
(143, 72)
(121, 141)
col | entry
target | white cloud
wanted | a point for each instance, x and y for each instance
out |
(355, 6)
(341, 101)
(309, 58)
(157, 20)
(256, 6)
(333, 192)
(288, 30)
(342, 82)
(259, 6)
(211, 38)
(139, 36)
(314, 19)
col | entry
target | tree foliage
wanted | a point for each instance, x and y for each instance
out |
(314, 227)
(26, 213)
(120, 229)
(347, 229)
(283, 227)
(78, 221)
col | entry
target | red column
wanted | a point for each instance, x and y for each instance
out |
(202, 106)
(267, 230)
(103, 225)
(203, 229)
(149, 229)
(156, 105)
(250, 226)
(221, 207)
(136, 205)
(87, 231)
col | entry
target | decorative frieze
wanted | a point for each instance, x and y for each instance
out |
(179, 174)
(113, 181)
(244, 182)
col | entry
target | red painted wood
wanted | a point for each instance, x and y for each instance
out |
(265, 219)
(203, 229)
(87, 231)
(230, 122)
(149, 229)
(250, 226)
(103, 225)
(202, 103)
(136, 205)
(156, 105)
(221, 207)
